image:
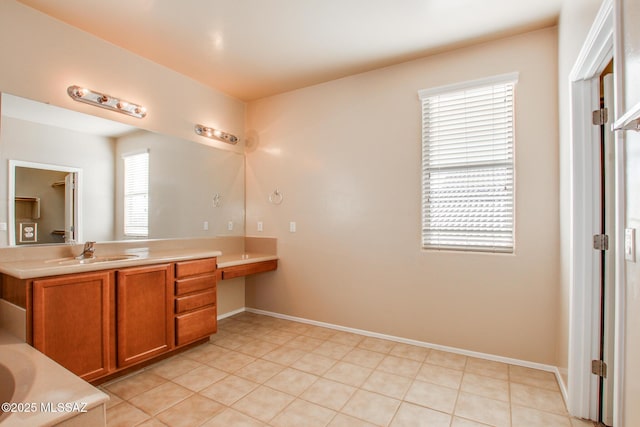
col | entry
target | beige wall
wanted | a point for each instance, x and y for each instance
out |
(575, 22)
(346, 156)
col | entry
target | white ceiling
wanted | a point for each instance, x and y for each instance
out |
(254, 48)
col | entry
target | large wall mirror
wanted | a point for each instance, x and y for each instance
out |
(194, 190)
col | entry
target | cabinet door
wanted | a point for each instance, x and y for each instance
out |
(71, 321)
(144, 313)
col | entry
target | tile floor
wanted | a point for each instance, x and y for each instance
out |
(263, 371)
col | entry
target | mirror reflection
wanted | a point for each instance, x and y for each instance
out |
(193, 190)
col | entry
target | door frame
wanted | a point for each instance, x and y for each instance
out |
(584, 319)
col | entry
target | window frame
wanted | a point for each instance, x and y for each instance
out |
(439, 238)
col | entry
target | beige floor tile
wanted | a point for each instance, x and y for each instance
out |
(410, 415)
(533, 377)
(231, 362)
(125, 415)
(346, 338)
(342, 420)
(284, 355)
(538, 398)
(399, 366)
(440, 375)
(232, 418)
(362, 357)
(134, 385)
(333, 350)
(302, 413)
(206, 352)
(292, 381)
(263, 403)
(485, 386)
(200, 378)
(257, 331)
(320, 332)
(233, 341)
(257, 348)
(160, 398)
(259, 371)
(487, 368)
(294, 327)
(174, 367)
(463, 422)
(407, 351)
(327, 393)
(432, 396)
(376, 344)
(371, 407)
(113, 399)
(387, 384)
(229, 389)
(314, 364)
(278, 337)
(151, 422)
(348, 373)
(446, 359)
(192, 411)
(576, 422)
(483, 410)
(302, 342)
(528, 417)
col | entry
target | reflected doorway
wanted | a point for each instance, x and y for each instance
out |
(43, 203)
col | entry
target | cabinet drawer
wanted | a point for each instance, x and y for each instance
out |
(194, 284)
(195, 325)
(191, 302)
(195, 267)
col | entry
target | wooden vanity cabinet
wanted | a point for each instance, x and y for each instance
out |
(144, 310)
(195, 303)
(73, 321)
(97, 324)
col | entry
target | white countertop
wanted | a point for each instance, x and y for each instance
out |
(29, 269)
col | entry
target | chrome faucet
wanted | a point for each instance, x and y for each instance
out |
(88, 251)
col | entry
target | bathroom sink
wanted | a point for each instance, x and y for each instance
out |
(94, 260)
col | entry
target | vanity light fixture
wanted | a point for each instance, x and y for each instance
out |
(109, 102)
(216, 134)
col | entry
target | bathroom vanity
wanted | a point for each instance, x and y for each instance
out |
(108, 315)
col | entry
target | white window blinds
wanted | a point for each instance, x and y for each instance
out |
(136, 195)
(468, 166)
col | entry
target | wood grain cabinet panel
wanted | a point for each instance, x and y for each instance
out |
(72, 321)
(144, 313)
(195, 325)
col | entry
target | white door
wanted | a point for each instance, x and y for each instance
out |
(70, 207)
(608, 277)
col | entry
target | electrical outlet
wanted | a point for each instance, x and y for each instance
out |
(230, 226)
(292, 227)
(205, 225)
(259, 225)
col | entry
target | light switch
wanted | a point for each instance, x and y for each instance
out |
(259, 225)
(3, 226)
(230, 226)
(630, 244)
(292, 227)
(205, 225)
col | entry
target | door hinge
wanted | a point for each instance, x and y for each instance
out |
(599, 368)
(600, 242)
(600, 117)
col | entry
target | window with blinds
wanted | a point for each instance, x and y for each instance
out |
(136, 195)
(468, 166)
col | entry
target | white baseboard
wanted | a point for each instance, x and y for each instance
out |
(485, 356)
(231, 313)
